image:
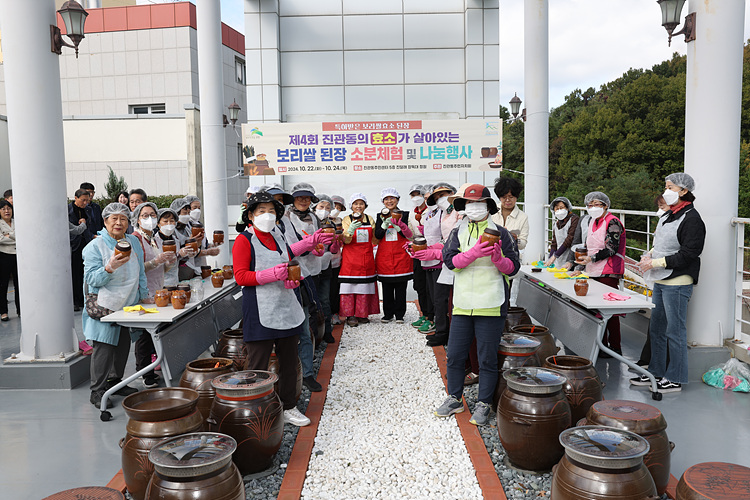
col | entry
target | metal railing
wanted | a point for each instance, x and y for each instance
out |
(742, 283)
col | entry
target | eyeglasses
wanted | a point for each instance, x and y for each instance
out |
(508, 197)
(596, 204)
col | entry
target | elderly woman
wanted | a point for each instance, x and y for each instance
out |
(323, 213)
(673, 266)
(417, 197)
(605, 262)
(510, 216)
(156, 264)
(111, 281)
(206, 248)
(563, 232)
(8, 266)
(166, 221)
(339, 207)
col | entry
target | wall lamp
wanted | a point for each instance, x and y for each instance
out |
(670, 19)
(74, 17)
(515, 108)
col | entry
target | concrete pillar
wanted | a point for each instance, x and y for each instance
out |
(193, 131)
(37, 157)
(213, 143)
(536, 131)
(713, 103)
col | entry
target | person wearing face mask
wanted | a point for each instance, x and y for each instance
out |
(323, 213)
(206, 248)
(357, 278)
(605, 262)
(166, 226)
(286, 199)
(339, 206)
(672, 266)
(419, 206)
(145, 220)
(392, 264)
(272, 311)
(481, 296)
(563, 232)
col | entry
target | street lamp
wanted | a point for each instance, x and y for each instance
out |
(515, 105)
(74, 17)
(234, 112)
(670, 19)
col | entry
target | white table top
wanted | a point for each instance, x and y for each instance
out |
(166, 314)
(594, 299)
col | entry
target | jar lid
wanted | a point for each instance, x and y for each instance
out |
(534, 380)
(493, 232)
(247, 383)
(420, 239)
(196, 224)
(512, 343)
(218, 231)
(167, 242)
(605, 447)
(191, 455)
(190, 240)
(123, 245)
(385, 211)
(641, 418)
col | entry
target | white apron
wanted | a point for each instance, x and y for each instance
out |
(114, 295)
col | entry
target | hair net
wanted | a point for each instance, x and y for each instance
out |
(252, 190)
(389, 191)
(565, 201)
(160, 213)
(325, 197)
(596, 195)
(137, 212)
(682, 180)
(338, 199)
(417, 187)
(304, 189)
(355, 197)
(191, 198)
(115, 208)
(179, 204)
(274, 189)
(439, 187)
(427, 189)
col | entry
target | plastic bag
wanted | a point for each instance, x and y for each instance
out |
(734, 375)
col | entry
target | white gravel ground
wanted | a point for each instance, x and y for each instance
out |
(378, 437)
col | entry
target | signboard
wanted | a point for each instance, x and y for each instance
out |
(371, 146)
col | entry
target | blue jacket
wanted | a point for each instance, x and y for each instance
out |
(96, 277)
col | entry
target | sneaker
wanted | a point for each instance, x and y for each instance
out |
(665, 385)
(151, 381)
(643, 380)
(481, 415)
(449, 407)
(419, 322)
(437, 340)
(295, 417)
(352, 321)
(335, 320)
(400, 321)
(385, 320)
(312, 384)
(427, 327)
(96, 400)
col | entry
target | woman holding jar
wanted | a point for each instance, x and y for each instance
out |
(273, 317)
(323, 213)
(563, 231)
(393, 265)
(605, 262)
(206, 248)
(112, 280)
(357, 278)
(8, 265)
(673, 265)
(339, 207)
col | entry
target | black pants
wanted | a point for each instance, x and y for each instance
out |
(423, 293)
(76, 266)
(334, 294)
(394, 299)
(108, 361)
(144, 348)
(259, 354)
(441, 298)
(8, 269)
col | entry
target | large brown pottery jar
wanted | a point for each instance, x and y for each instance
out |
(644, 420)
(515, 351)
(584, 387)
(275, 368)
(247, 408)
(714, 481)
(198, 375)
(542, 334)
(195, 466)
(532, 413)
(155, 414)
(232, 345)
(602, 463)
(516, 316)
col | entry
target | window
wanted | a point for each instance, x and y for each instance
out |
(148, 109)
(239, 71)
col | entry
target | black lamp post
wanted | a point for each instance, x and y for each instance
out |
(74, 17)
(671, 10)
(234, 112)
(515, 105)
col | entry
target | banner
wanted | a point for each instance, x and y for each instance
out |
(371, 146)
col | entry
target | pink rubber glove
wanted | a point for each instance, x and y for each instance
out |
(276, 273)
(289, 285)
(335, 246)
(319, 251)
(429, 254)
(309, 241)
(503, 264)
(319, 237)
(404, 228)
(480, 249)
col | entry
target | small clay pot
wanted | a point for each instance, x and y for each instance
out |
(192, 243)
(196, 229)
(385, 212)
(581, 287)
(186, 289)
(580, 253)
(227, 272)
(419, 243)
(123, 247)
(396, 215)
(171, 290)
(162, 297)
(295, 272)
(493, 151)
(218, 237)
(491, 236)
(169, 246)
(485, 152)
(217, 279)
(205, 271)
(328, 228)
(179, 299)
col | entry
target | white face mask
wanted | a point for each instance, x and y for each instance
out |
(595, 212)
(184, 219)
(417, 200)
(476, 211)
(561, 214)
(195, 214)
(671, 197)
(322, 214)
(167, 229)
(660, 212)
(335, 212)
(265, 222)
(148, 224)
(443, 203)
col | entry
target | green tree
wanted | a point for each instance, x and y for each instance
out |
(114, 185)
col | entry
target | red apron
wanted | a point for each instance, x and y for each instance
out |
(357, 261)
(392, 262)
